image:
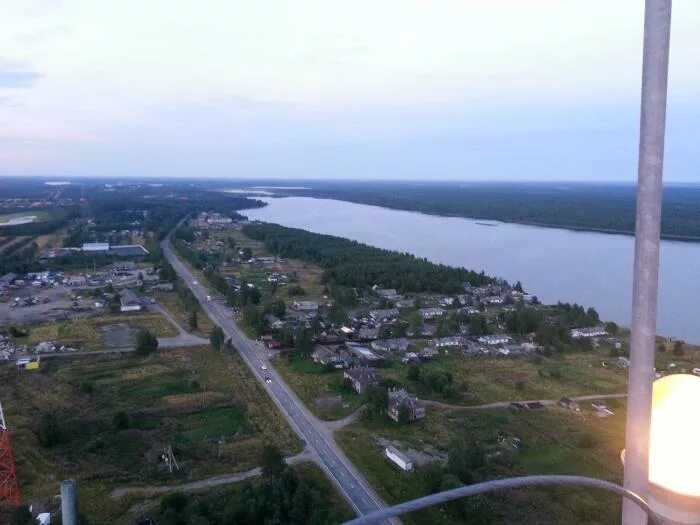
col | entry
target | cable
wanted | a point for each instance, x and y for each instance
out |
(502, 484)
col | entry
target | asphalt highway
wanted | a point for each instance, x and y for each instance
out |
(350, 482)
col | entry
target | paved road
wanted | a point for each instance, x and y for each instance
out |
(318, 438)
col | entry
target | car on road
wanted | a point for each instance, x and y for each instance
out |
(263, 367)
(195, 282)
(268, 380)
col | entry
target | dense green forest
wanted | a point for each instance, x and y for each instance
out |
(603, 207)
(350, 263)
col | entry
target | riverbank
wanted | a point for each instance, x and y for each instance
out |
(553, 263)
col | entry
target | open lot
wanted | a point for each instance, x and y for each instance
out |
(321, 390)
(202, 403)
(171, 303)
(95, 333)
(555, 441)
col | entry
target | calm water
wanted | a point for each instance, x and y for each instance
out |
(591, 269)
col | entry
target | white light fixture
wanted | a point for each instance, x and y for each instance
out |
(674, 449)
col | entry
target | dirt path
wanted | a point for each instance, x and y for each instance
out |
(207, 483)
(347, 420)
(506, 404)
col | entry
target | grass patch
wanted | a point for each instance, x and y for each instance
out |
(85, 332)
(312, 382)
(162, 394)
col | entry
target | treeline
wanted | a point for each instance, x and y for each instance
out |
(19, 259)
(584, 206)
(283, 497)
(352, 264)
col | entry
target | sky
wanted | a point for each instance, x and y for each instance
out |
(366, 89)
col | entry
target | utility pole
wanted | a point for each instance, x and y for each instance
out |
(657, 29)
(69, 502)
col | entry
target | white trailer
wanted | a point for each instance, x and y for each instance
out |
(399, 459)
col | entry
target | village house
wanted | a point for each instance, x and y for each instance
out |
(324, 355)
(448, 342)
(390, 294)
(464, 300)
(305, 306)
(401, 400)
(494, 339)
(362, 378)
(428, 330)
(594, 331)
(410, 357)
(446, 301)
(493, 299)
(129, 301)
(427, 353)
(275, 323)
(431, 313)
(388, 314)
(367, 333)
(405, 303)
(390, 345)
(365, 355)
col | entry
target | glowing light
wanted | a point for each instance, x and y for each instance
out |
(674, 461)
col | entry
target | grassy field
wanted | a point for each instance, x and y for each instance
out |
(170, 302)
(556, 441)
(85, 332)
(311, 382)
(204, 404)
(40, 216)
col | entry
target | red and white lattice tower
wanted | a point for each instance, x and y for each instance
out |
(9, 487)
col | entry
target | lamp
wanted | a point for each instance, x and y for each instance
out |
(674, 449)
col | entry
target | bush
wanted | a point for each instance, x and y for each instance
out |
(146, 343)
(50, 432)
(121, 421)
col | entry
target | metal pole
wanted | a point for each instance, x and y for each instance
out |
(657, 27)
(69, 502)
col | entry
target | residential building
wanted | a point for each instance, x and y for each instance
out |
(365, 355)
(400, 459)
(446, 301)
(95, 247)
(387, 293)
(454, 341)
(428, 353)
(366, 333)
(129, 301)
(494, 339)
(431, 313)
(362, 378)
(400, 400)
(593, 331)
(405, 303)
(324, 355)
(388, 314)
(305, 306)
(493, 299)
(390, 345)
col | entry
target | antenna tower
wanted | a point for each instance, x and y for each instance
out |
(9, 486)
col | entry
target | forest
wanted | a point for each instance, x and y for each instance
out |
(597, 207)
(352, 264)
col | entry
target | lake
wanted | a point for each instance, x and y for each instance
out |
(592, 269)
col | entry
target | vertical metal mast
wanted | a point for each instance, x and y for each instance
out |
(9, 486)
(657, 27)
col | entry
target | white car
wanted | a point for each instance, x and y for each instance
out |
(268, 380)
(195, 282)
(264, 367)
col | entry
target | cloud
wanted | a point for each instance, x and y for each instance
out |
(17, 75)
